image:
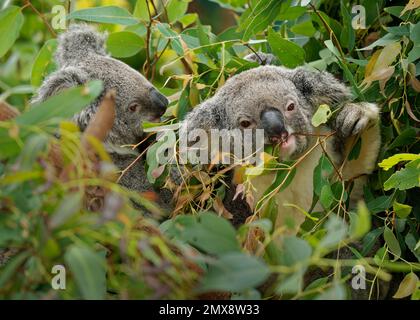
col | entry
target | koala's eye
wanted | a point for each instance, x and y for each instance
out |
(291, 106)
(133, 107)
(245, 123)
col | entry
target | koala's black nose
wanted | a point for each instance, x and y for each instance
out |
(159, 101)
(272, 121)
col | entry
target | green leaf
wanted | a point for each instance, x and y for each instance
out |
(11, 21)
(69, 206)
(34, 146)
(321, 173)
(258, 17)
(402, 210)
(348, 35)
(140, 29)
(154, 157)
(326, 198)
(388, 163)
(183, 104)
(140, 10)
(176, 9)
(336, 292)
(317, 283)
(63, 105)
(124, 44)
(415, 33)
(290, 13)
(234, 271)
(414, 54)
(305, 28)
(11, 267)
(406, 178)
(44, 62)
(294, 250)
(392, 242)
(413, 245)
(171, 35)
(360, 223)
(108, 14)
(292, 284)
(209, 233)
(336, 231)
(403, 30)
(188, 19)
(379, 204)
(289, 53)
(88, 269)
(236, 5)
(408, 136)
(355, 151)
(396, 11)
(407, 286)
(387, 39)
(370, 239)
(321, 115)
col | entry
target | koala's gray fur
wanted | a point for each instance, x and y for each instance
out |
(250, 94)
(81, 56)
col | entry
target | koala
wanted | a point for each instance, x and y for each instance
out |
(81, 56)
(282, 102)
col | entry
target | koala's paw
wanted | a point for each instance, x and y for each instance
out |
(353, 118)
(261, 58)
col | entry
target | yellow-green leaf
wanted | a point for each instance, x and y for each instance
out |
(402, 210)
(321, 116)
(407, 286)
(388, 163)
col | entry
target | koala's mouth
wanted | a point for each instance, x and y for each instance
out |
(154, 119)
(285, 142)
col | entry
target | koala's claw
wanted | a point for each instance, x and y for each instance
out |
(353, 118)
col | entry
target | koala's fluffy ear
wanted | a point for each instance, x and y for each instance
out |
(319, 87)
(264, 59)
(77, 42)
(62, 79)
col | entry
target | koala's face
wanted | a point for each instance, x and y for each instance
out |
(263, 98)
(137, 100)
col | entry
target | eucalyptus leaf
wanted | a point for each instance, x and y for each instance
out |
(11, 22)
(106, 14)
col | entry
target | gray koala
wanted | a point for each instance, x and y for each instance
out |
(81, 57)
(282, 102)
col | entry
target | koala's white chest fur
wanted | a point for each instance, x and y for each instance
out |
(300, 190)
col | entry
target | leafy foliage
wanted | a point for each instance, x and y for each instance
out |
(118, 253)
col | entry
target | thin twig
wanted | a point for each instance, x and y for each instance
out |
(131, 165)
(148, 36)
(263, 62)
(29, 4)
